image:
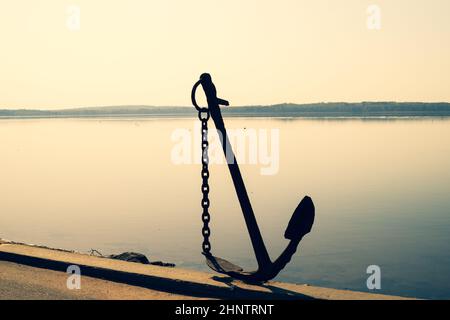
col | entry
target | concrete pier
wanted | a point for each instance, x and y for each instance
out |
(32, 272)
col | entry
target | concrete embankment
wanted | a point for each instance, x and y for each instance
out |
(38, 273)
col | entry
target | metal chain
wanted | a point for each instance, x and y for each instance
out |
(206, 232)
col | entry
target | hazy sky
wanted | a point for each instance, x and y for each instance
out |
(258, 51)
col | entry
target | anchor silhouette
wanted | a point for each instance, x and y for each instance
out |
(299, 225)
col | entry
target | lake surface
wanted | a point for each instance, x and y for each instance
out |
(380, 186)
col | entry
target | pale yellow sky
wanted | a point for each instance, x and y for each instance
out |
(151, 52)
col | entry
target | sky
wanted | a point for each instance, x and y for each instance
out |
(150, 52)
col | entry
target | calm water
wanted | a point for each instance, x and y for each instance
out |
(381, 190)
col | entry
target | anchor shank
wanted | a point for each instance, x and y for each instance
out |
(259, 247)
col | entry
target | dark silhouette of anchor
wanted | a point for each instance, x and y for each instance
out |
(299, 225)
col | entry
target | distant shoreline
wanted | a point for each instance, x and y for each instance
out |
(316, 110)
(313, 115)
(122, 117)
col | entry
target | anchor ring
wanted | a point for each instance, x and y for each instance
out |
(194, 101)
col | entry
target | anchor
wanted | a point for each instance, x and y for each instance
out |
(299, 225)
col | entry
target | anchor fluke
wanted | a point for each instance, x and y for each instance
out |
(221, 265)
(301, 221)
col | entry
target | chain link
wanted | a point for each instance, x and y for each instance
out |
(206, 231)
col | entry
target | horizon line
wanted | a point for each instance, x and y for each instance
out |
(236, 106)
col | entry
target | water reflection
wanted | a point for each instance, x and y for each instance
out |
(380, 188)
